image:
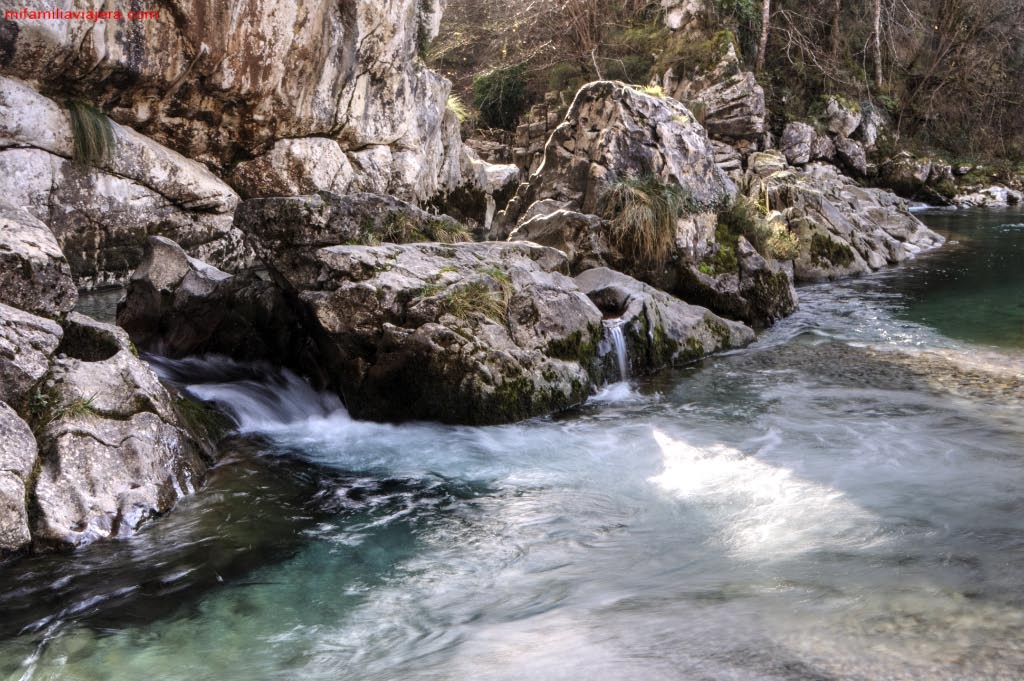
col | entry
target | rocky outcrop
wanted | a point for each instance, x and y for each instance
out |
(659, 330)
(734, 110)
(221, 85)
(485, 187)
(18, 457)
(995, 196)
(113, 450)
(34, 275)
(102, 214)
(843, 229)
(469, 333)
(614, 132)
(176, 306)
(797, 142)
(582, 237)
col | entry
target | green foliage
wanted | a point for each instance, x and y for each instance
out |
(827, 251)
(500, 96)
(565, 75)
(403, 228)
(688, 56)
(93, 134)
(44, 408)
(768, 235)
(643, 213)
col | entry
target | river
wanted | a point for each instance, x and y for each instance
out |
(842, 500)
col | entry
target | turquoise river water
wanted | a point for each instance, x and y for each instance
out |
(843, 500)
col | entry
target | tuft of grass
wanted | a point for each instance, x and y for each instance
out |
(44, 408)
(93, 134)
(653, 91)
(489, 297)
(402, 228)
(457, 107)
(446, 231)
(643, 214)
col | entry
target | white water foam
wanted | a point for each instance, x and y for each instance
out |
(766, 511)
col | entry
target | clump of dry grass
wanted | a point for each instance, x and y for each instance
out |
(93, 134)
(644, 213)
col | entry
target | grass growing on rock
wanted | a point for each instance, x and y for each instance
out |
(92, 132)
(769, 236)
(489, 297)
(643, 213)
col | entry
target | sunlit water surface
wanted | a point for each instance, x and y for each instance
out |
(815, 507)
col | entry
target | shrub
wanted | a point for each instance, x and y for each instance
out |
(500, 96)
(643, 214)
(93, 134)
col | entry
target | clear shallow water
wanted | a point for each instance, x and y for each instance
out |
(815, 507)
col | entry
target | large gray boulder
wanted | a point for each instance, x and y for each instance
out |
(468, 333)
(26, 344)
(114, 450)
(844, 229)
(18, 457)
(659, 330)
(734, 109)
(797, 142)
(176, 306)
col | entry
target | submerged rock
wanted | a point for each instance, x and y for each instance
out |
(659, 330)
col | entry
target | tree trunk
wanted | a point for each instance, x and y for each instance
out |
(762, 46)
(837, 11)
(877, 26)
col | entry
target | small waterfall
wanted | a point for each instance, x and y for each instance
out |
(617, 340)
(256, 395)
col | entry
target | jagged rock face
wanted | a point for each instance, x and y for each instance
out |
(659, 330)
(851, 156)
(468, 333)
(18, 456)
(613, 132)
(101, 216)
(844, 229)
(842, 117)
(34, 274)
(582, 237)
(797, 142)
(26, 344)
(222, 83)
(734, 109)
(113, 449)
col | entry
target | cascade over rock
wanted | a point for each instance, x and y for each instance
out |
(659, 330)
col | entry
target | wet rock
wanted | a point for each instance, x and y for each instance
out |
(760, 292)
(468, 333)
(34, 274)
(659, 330)
(18, 458)
(995, 196)
(26, 344)
(176, 306)
(114, 449)
(797, 142)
